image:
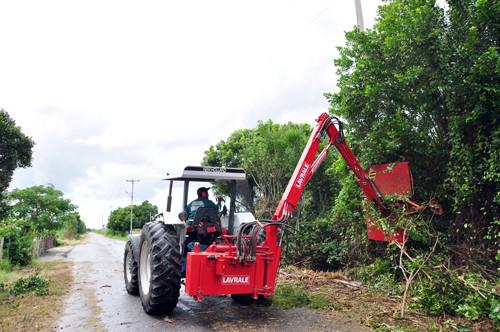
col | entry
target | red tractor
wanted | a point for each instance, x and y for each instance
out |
(244, 262)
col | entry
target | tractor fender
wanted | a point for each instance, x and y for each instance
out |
(135, 240)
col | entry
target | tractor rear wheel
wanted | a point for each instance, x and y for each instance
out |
(159, 268)
(130, 270)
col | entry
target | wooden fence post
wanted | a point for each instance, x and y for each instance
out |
(1, 248)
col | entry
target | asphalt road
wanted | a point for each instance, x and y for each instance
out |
(99, 302)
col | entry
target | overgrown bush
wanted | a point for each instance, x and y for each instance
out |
(381, 275)
(318, 246)
(17, 246)
(468, 295)
(72, 227)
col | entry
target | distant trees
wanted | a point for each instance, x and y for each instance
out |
(119, 220)
(72, 225)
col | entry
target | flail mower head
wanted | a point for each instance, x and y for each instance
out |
(395, 179)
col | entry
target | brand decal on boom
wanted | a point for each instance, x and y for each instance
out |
(302, 175)
(236, 280)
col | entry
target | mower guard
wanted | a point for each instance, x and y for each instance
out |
(390, 179)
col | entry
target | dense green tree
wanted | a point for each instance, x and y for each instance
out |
(119, 220)
(18, 245)
(269, 154)
(73, 225)
(230, 153)
(424, 86)
(34, 212)
(473, 99)
(40, 209)
(15, 151)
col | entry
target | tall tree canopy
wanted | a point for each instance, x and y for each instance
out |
(15, 151)
(424, 86)
(40, 209)
(269, 154)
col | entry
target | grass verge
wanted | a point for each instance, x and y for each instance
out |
(115, 234)
(28, 311)
(378, 309)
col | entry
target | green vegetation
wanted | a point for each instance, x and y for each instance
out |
(269, 154)
(30, 296)
(119, 220)
(16, 151)
(422, 86)
(33, 283)
(73, 226)
(36, 211)
(121, 235)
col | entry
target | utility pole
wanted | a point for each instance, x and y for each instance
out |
(110, 212)
(131, 202)
(359, 15)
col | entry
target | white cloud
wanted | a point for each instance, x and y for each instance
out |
(116, 90)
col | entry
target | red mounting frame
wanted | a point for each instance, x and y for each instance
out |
(217, 271)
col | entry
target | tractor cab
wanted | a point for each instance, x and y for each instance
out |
(235, 205)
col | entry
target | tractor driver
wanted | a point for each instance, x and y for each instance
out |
(201, 201)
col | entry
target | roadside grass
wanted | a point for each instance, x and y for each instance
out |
(80, 239)
(21, 309)
(377, 306)
(116, 234)
(63, 240)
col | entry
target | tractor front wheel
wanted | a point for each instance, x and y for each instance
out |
(130, 273)
(159, 268)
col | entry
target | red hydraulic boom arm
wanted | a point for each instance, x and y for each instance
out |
(308, 165)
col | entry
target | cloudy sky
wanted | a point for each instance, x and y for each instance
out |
(117, 90)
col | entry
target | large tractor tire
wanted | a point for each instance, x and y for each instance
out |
(130, 270)
(160, 266)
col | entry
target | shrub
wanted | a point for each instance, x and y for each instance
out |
(32, 283)
(467, 295)
(288, 295)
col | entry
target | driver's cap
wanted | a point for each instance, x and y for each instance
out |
(202, 190)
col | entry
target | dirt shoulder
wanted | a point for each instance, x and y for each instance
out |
(376, 309)
(32, 312)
